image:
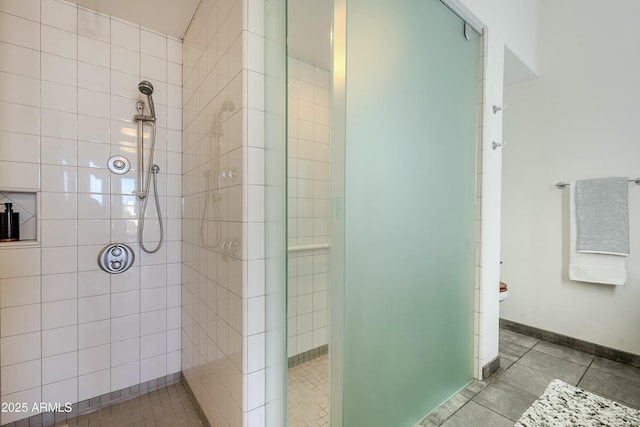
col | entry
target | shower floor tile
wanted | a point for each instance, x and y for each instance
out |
(309, 393)
(169, 406)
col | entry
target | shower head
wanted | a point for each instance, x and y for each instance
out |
(145, 87)
(226, 107)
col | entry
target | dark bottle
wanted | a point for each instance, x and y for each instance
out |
(9, 224)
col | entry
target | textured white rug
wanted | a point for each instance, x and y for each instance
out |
(564, 405)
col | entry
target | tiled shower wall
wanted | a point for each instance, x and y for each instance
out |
(308, 206)
(223, 354)
(68, 88)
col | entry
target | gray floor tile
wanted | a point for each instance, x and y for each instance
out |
(516, 338)
(611, 386)
(527, 379)
(568, 372)
(506, 400)
(566, 353)
(618, 369)
(507, 360)
(512, 349)
(473, 414)
(447, 409)
(474, 388)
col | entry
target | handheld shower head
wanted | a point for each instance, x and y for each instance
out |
(146, 88)
(226, 107)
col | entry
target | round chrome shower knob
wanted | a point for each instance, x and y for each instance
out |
(116, 258)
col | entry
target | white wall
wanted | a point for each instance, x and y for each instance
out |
(579, 120)
(513, 25)
(308, 207)
(223, 357)
(68, 89)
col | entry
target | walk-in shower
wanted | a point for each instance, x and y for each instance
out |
(142, 193)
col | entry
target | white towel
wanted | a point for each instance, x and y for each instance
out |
(594, 268)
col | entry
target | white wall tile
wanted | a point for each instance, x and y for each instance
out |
(28, 10)
(153, 299)
(94, 384)
(125, 34)
(95, 129)
(126, 327)
(93, 283)
(125, 60)
(93, 77)
(125, 303)
(19, 31)
(19, 320)
(59, 314)
(94, 333)
(57, 287)
(153, 44)
(61, 392)
(93, 206)
(24, 61)
(59, 124)
(19, 118)
(19, 89)
(93, 103)
(94, 359)
(123, 352)
(59, 233)
(30, 397)
(19, 291)
(60, 340)
(60, 15)
(57, 151)
(94, 25)
(153, 322)
(153, 345)
(174, 50)
(94, 51)
(59, 42)
(59, 260)
(152, 368)
(59, 367)
(20, 348)
(125, 376)
(19, 377)
(59, 206)
(58, 69)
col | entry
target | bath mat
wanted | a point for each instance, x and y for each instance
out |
(564, 405)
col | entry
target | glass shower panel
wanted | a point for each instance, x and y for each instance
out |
(406, 223)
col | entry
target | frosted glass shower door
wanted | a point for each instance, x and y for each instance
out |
(403, 237)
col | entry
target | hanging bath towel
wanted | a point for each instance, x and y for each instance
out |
(602, 212)
(592, 267)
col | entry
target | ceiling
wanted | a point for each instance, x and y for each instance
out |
(170, 17)
(309, 22)
(309, 31)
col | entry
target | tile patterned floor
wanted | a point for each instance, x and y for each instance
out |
(169, 406)
(309, 393)
(528, 365)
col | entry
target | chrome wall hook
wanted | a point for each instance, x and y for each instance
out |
(496, 108)
(495, 145)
